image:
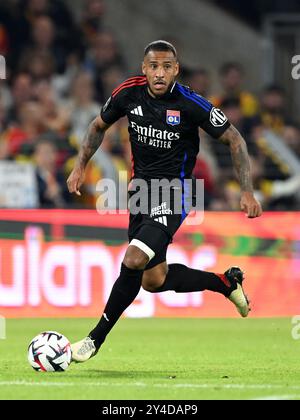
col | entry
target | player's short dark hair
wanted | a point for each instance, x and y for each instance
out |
(160, 45)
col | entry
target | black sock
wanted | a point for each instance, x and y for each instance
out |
(183, 279)
(124, 291)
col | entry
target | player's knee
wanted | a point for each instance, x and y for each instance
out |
(135, 260)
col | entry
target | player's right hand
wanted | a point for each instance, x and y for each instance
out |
(75, 180)
(250, 205)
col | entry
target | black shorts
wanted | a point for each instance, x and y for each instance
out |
(157, 225)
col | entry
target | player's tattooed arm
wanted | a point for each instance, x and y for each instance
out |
(241, 163)
(92, 141)
(240, 157)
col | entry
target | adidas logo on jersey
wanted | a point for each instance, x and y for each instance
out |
(162, 220)
(137, 111)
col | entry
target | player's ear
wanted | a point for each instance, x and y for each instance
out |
(144, 68)
(177, 68)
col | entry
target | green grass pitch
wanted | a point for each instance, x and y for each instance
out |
(161, 359)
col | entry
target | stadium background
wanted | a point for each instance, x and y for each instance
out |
(58, 257)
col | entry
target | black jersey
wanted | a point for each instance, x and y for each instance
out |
(163, 131)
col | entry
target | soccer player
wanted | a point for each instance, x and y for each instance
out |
(164, 118)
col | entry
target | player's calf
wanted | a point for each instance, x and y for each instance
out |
(155, 277)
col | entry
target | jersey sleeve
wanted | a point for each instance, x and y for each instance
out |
(114, 109)
(210, 119)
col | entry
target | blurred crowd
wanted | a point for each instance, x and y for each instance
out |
(61, 69)
(254, 11)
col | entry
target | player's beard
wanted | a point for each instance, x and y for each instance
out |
(158, 95)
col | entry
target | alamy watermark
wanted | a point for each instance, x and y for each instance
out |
(157, 198)
(2, 67)
(296, 327)
(296, 67)
(2, 328)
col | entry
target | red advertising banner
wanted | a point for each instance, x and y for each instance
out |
(46, 272)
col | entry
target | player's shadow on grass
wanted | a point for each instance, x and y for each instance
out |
(113, 374)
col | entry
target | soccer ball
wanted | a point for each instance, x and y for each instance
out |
(49, 351)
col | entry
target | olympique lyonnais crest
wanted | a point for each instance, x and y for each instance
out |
(173, 117)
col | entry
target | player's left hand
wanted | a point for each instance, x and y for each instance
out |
(250, 205)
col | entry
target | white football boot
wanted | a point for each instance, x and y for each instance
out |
(238, 297)
(83, 350)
